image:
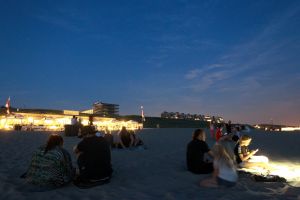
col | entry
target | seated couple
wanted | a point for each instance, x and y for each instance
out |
(223, 165)
(51, 165)
(126, 139)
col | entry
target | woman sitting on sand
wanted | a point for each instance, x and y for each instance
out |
(225, 170)
(195, 155)
(51, 165)
(137, 141)
(245, 158)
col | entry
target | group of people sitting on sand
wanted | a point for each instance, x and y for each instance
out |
(223, 160)
(122, 139)
(51, 165)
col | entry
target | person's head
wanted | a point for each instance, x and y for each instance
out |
(245, 140)
(237, 128)
(73, 116)
(229, 122)
(223, 152)
(53, 141)
(199, 134)
(123, 128)
(227, 145)
(91, 132)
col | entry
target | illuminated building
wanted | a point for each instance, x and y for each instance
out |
(55, 120)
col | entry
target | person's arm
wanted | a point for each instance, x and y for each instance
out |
(243, 158)
(210, 153)
(215, 172)
(78, 149)
(132, 141)
(75, 149)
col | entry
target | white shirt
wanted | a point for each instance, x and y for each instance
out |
(73, 121)
(225, 172)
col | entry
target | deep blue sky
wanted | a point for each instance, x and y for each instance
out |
(237, 59)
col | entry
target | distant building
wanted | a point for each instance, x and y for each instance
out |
(188, 116)
(105, 109)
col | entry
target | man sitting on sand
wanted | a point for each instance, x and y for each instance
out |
(245, 158)
(195, 155)
(94, 159)
(51, 165)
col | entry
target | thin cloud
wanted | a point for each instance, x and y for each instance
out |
(60, 22)
(192, 74)
(250, 60)
(208, 80)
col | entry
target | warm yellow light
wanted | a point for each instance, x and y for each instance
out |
(8, 127)
(291, 129)
(54, 122)
(85, 122)
(48, 121)
(30, 119)
(53, 128)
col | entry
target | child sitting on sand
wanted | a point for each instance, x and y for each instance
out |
(225, 170)
(245, 158)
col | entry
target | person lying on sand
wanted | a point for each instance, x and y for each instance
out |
(195, 155)
(93, 159)
(225, 169)
(245, 158)
(51, 165)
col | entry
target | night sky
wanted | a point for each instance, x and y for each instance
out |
(237, 59)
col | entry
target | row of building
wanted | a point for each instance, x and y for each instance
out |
(104, 116)
(177, 115)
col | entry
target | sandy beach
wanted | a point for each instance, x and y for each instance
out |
(158, 172)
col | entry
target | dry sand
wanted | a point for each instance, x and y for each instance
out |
(156, 173)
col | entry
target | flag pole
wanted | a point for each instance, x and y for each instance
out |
(142, 114)
(7, 105)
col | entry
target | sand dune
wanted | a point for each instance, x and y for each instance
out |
(155, 173)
